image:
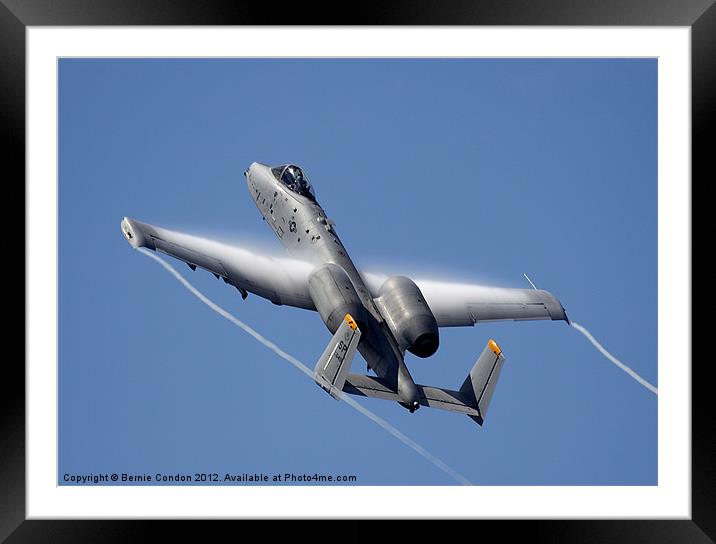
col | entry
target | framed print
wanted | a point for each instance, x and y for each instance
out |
(484, 165)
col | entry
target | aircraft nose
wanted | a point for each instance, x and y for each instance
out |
(250, 168)
(254, 175)
(250, 179)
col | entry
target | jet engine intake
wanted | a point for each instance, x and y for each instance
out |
(408, 316)
(334, 296)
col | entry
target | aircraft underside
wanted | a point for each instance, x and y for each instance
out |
(381, 317)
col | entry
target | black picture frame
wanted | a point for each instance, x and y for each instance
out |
(699, 15)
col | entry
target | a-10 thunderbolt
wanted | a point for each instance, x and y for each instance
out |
(380, 317)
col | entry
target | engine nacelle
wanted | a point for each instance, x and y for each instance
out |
(408, 316)
(334, 296)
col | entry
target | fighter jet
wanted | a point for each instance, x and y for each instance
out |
(380, 317)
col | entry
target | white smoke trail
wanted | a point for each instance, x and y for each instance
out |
(613, 359)
(308, 372)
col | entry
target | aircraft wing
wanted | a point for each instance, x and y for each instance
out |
(461, 304)
(281, 280)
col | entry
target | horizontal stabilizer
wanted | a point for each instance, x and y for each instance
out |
(433, 397)
(368, 386)
(472, 399)
(333, 366)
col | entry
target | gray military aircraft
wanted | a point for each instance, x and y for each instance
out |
(380, 317)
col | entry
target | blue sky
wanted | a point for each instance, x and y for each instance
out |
(471, 169)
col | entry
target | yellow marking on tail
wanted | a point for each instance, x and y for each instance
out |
(351, 322)
(494, 347)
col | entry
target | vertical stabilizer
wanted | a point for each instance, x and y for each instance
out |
(333, 366)
(480, 384)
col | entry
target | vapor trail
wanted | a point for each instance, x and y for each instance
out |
(308, 372)
(613, 359)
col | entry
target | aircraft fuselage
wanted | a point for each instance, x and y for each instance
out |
(303, 228)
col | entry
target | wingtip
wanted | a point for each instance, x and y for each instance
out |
(133, 232)
(128, 232)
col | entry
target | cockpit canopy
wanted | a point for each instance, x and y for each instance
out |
(294, 178)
